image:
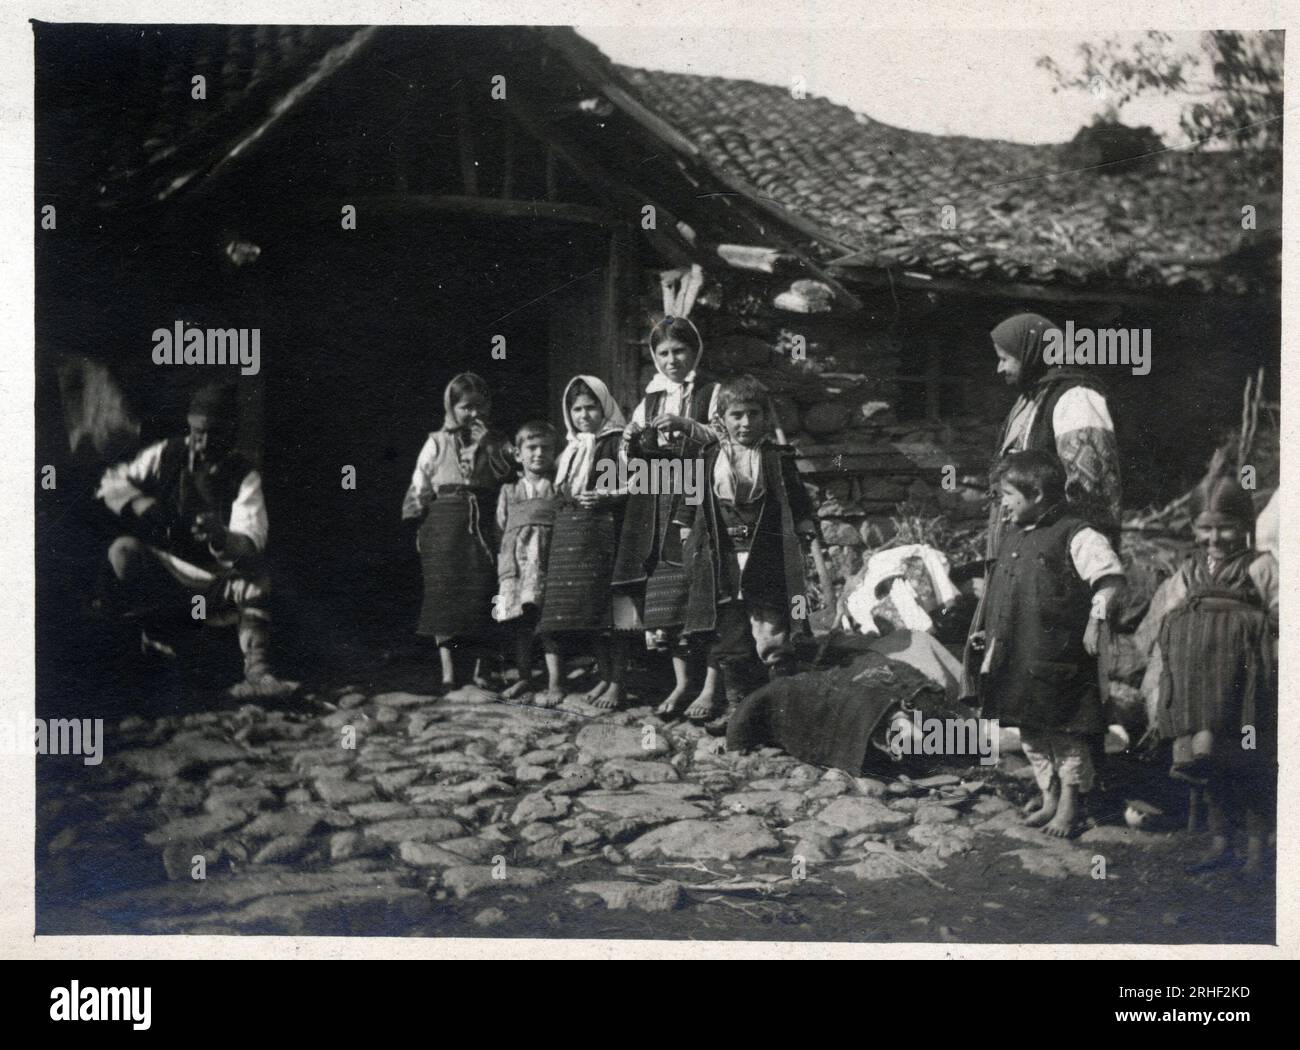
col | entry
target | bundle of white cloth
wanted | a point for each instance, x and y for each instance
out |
(860, 602)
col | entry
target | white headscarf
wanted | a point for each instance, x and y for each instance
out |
(573, 470)
(661, 381)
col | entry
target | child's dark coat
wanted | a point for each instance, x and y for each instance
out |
(774, 573)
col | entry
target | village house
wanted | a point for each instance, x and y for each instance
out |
(387, 205)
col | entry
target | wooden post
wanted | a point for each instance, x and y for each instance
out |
(622, 373)
(508, 161)
(933, 380)
(465, 139)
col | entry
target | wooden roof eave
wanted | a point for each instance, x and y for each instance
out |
(881, 277)
(202, 181)
(605, 79)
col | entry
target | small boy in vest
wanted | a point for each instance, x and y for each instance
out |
(1050, 591)
(741, 549)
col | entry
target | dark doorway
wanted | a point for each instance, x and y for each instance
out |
(366, 330)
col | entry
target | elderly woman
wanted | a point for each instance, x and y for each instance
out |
(1062, 411)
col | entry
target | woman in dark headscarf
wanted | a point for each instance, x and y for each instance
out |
(1062, 411)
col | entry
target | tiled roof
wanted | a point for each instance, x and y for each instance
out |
(119, 99)
(1021, 212)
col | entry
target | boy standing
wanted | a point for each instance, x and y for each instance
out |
(1048, 595)
(741, 550)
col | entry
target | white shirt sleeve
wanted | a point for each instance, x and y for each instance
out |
(122, 482)
(420, 493)
(248, 512)
(1095, 559)
(1080, 408)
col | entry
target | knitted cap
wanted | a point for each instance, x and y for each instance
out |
(1225, 502)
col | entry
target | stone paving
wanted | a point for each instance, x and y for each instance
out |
(373, 812)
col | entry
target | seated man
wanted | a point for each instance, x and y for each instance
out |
(199, 528)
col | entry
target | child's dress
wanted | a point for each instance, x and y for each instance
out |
(1218, 655)
(526, 519)
(581, 561)
(650, 553)
(453, 487)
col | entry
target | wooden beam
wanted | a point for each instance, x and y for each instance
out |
(334, 60)
(881, 278)
(584, 168)
(487, 207)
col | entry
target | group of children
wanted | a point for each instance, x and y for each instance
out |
(521, 533)
(1049, 597)
(568, 561)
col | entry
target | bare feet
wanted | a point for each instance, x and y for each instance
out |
(552, 697)
(1045, 810)
(592, 694)
(1065, 824)
(516, 691)
(1219, 855)
(610, 699)
(673, 701)
(704, 708)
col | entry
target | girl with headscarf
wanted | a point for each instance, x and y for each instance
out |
(672, 421)
(578, 602)
(452, 493)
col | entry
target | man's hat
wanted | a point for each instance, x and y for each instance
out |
(216, 401)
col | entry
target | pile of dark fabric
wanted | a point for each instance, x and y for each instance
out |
(838, 716)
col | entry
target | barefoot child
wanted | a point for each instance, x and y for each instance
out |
(1218, 685)
(1047, 598)
(452, 490)
(672, 421)
(742, 551)
(578, 602)
(525, 519)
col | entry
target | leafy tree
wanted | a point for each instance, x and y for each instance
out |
(1235, 80)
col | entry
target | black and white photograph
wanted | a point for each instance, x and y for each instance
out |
(628, 480)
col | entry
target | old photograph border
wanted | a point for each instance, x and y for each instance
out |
(18, 920)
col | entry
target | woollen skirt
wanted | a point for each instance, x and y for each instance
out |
(460, 577)
(666, 593)
(578, 596)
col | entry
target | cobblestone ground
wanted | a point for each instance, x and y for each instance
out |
(370, 811)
